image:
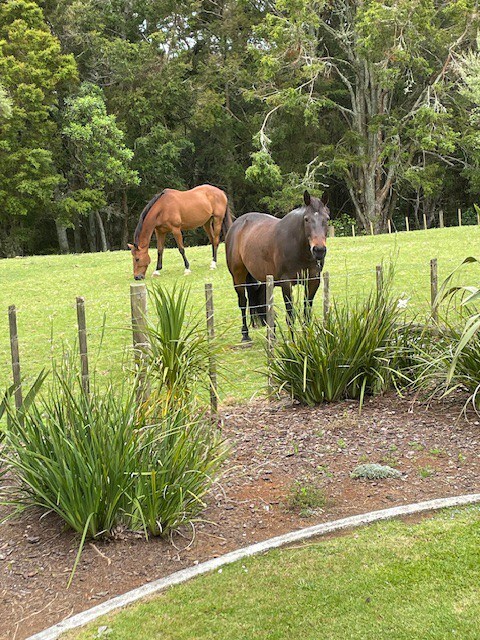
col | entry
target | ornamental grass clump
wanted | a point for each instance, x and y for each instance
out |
(347, 355)
(95, 460)
(179, 348)
(141, 455)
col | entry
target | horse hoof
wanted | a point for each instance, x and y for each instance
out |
(187, 272)
(213, 265)
(155, 274)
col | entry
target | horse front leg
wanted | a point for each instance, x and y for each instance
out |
(177, 234)
(311, 287)
(160, 247)
(287, 298)
(242, 303)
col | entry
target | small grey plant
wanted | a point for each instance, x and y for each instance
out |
(374, 472)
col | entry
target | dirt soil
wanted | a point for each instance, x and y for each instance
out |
(275, 448)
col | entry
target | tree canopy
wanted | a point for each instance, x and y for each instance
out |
(104, 104)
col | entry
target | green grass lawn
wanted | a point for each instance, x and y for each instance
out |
(390, 581)
(44, 289)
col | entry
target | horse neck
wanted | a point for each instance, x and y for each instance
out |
(148, 227)
(292, 225)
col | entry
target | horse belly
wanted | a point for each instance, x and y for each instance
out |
(195, 214)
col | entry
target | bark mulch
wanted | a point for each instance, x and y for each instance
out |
(278, 451)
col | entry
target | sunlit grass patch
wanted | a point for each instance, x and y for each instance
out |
(392, 580)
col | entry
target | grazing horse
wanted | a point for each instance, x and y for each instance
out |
(291, 249)
(174, 211)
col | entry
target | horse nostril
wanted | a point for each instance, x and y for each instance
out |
(138, 277)
(319, 252)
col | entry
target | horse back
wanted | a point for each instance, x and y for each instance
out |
(250, 245)
(191, 209)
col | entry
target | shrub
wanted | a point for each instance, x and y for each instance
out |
(179, 348)
(374, 472)
(346, 356)
(451, 361)
(95, 461)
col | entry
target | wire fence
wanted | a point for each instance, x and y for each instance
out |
(215, 324)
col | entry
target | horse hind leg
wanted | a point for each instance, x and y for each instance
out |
(242, 303)
(257, 301)
(208, 226)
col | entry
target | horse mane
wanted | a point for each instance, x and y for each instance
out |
(143, 215)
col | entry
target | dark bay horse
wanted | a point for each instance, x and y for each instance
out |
(175, 211)
(291, 249)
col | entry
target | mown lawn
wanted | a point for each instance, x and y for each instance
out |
(390, 581)
(44, 289)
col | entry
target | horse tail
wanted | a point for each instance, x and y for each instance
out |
(257, 300)
(226, 223)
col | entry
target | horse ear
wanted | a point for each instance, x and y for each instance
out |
(306, 197)
(325, 198)
(130, 246)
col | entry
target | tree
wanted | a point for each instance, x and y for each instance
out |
(469, 69)
(382, 70)
(99, 161)
(35, 73)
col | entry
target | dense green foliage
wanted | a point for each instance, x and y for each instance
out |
(103, 104)
(104, 457)
(348, 354)
(390, 581)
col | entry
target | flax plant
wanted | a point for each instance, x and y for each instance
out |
(179, 348)
(347, 355)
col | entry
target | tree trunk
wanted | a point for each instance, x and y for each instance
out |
(62, 237)
(101, 228)
(126, 215)
(92, 233)
(77, 235)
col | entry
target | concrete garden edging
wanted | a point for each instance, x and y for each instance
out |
(118, 602)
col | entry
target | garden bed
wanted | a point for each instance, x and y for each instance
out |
(279, 452)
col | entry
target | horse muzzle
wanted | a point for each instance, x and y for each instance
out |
(319, 253)
(139, 277)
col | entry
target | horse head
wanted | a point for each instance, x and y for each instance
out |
(141, 260)
(315, 218)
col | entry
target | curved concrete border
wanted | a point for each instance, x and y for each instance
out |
(295, 536)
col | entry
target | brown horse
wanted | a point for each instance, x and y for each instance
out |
(174, 211)
(291, 249)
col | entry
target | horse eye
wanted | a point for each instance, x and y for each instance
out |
(137, 259)
(305, 218)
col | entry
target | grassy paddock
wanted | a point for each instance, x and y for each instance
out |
(44, 289)
(391, 581)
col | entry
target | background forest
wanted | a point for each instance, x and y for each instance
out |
(103, 103)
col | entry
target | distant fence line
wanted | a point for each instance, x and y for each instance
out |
(392, 229)
(141, 343)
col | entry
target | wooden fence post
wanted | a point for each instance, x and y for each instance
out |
(141, 343)
(270, 329)
(434, 288)
(353, 229)
(425, 222)
(371, 228)
(82, 343)
(389, 225)
(459, 212)
(478, 216)
(407, 224)
(17, 380)
(326, 295)
(212, 365)
(331, 231)
(379, 271)
(440, 218)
